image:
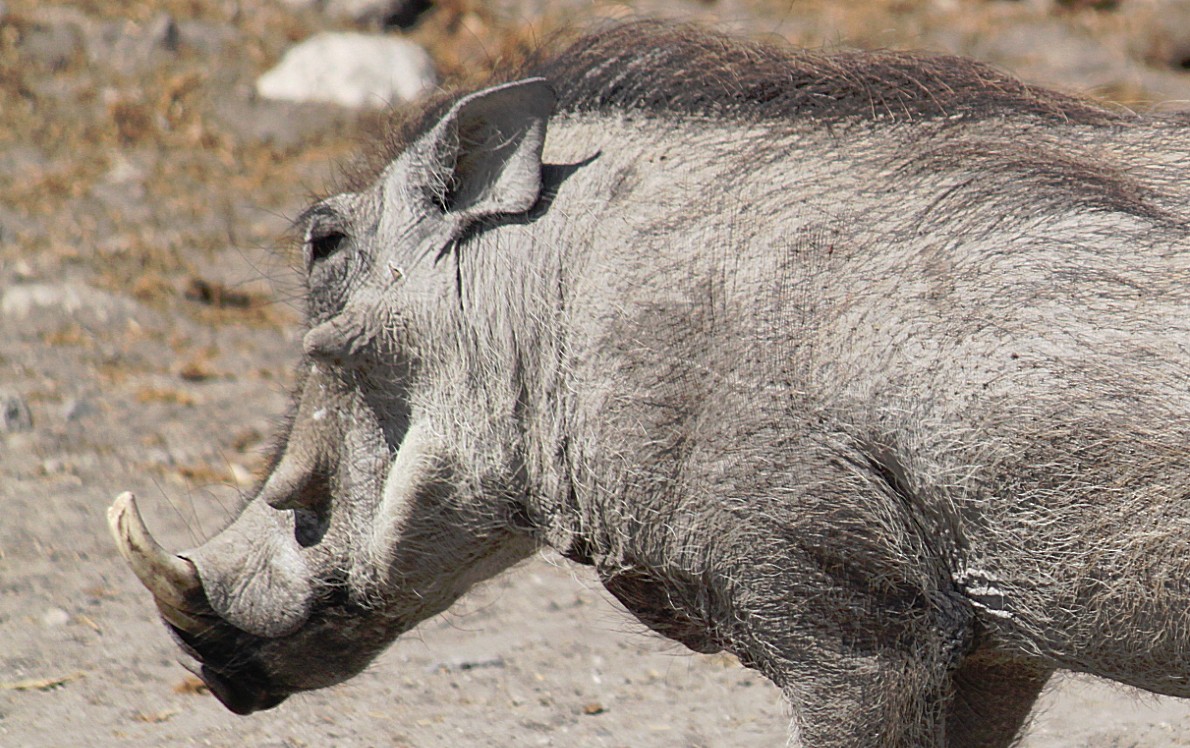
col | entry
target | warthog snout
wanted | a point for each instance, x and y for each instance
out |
(177, 591)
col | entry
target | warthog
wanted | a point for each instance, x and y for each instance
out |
(871, 369)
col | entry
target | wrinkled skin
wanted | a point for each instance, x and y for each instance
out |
(903, 439)
(363, 527)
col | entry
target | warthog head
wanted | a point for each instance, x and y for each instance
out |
(377, 513)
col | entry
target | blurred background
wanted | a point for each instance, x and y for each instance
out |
(151, 157)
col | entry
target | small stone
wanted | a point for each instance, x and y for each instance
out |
(54, 45)
(162, 32)
(459, 665)
(55, 617)
(76, 408)
(23, 272)
(196, 370)
(14, 414)
(53, 466)
(400, 13)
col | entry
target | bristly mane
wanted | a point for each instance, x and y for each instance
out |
(653, 68)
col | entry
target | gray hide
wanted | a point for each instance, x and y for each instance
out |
(869, 369)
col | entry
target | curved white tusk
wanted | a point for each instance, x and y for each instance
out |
(172, 579)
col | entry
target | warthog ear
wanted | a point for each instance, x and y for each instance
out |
(484, 157)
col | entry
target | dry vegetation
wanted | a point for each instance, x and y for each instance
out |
(79, 128)
(189, 171)
(84, 126)
(145, 177)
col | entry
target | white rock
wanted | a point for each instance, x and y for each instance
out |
(353, 70)
(55, 617)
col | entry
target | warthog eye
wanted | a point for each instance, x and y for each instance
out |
(323, 246)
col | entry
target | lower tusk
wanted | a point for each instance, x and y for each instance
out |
(172, 579)
(190, 622)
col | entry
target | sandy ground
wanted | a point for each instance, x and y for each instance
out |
(147, 329)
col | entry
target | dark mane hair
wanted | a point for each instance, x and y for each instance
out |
(654, 68)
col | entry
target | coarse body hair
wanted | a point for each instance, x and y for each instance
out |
(878, 360)
(869, 368)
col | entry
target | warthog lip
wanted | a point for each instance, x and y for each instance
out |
(240, 696)
(241, 689)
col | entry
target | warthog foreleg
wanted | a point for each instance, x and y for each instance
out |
(992, 699)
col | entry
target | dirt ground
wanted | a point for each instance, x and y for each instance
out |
(148, 323)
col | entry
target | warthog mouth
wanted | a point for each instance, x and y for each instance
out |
(241, 697)
(219, 649)
(219, 662)
(240, 694)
